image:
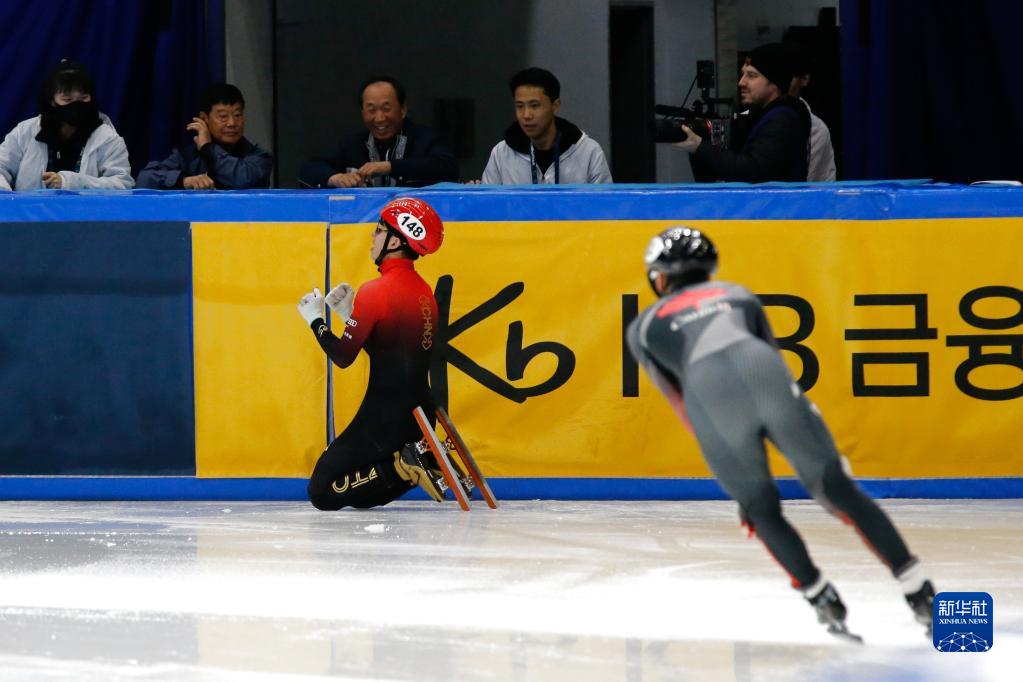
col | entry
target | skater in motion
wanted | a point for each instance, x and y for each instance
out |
(709, 349)
(374, 460)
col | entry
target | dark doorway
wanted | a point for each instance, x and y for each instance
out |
(631, 36)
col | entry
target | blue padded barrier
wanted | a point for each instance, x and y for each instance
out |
(293, 489)
(95, 299)
(96, 349)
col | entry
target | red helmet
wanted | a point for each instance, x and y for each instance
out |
(416, 222)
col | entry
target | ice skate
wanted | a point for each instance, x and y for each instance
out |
(413, 467)
(463, 478)
(922, 603)
(831, 612)
(467, 463)
(440, 455)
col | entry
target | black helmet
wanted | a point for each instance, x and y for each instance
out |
(684, 254)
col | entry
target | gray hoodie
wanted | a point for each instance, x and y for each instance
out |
(581, 160)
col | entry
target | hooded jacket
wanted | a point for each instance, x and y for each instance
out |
(581, 160)
(776, 148)
(103, 164)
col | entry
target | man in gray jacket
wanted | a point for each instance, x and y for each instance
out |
(540, 148)
(70, 145)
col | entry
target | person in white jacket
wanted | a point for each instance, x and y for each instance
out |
(540, 148)
(70, 144)
(821, 167)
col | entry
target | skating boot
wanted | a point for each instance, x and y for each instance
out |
(922, 603)
(415, 464)
(831, 612)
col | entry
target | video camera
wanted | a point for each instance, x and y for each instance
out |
(668, 129)
(702, 118)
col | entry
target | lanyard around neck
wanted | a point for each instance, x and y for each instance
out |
(535, 170)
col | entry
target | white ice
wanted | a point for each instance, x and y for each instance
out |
(532, 591)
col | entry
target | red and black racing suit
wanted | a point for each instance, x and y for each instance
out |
(393, 321)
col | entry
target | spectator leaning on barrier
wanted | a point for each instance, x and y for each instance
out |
(540, 148)
(776, 147)
(395, 153)
(221, 156)
(70, 144)
(822, 154)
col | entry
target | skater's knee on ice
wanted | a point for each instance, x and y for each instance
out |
(324, 503)
(322, 497)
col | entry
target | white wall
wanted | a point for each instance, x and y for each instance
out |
(248, 47)
(683, 34)
(570, 38)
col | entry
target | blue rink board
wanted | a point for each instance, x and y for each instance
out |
(728, 201)
(293, 489)
(127, 458)
(96, 348)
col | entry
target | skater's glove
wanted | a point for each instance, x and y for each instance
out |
(310, 307)
(341, 299)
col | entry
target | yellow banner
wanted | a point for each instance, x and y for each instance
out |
(536, 377)
(260, 389)
(573, 277)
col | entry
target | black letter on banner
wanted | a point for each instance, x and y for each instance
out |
(920, 361)
(976, 343)
(811, 367)
(861, 389)
(972, 318)
(630, 370)
(919, 330)
(516, 357)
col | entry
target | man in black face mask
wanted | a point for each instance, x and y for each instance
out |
(70, 145)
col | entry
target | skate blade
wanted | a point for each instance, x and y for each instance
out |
(466, 458)
(842, 632)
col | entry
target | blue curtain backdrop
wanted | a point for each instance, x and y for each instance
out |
(932, 89)
(150, 59)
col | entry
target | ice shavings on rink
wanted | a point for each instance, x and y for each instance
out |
(534, 590)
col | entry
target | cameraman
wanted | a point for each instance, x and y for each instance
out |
(777, 145)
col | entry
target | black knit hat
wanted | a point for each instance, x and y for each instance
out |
(777, 62)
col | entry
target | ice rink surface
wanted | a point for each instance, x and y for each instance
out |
(548, 590)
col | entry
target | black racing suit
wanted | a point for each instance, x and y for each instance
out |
(710, 345)
(393, 320)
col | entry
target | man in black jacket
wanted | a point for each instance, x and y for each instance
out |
(396, 153)
(777, 145)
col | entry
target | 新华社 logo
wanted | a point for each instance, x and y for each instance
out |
(964, 622)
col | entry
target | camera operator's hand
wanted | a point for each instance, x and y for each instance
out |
(691, 142)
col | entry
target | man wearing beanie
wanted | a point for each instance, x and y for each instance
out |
(776, 148)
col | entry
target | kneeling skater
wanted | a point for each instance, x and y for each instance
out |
(375, 460)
